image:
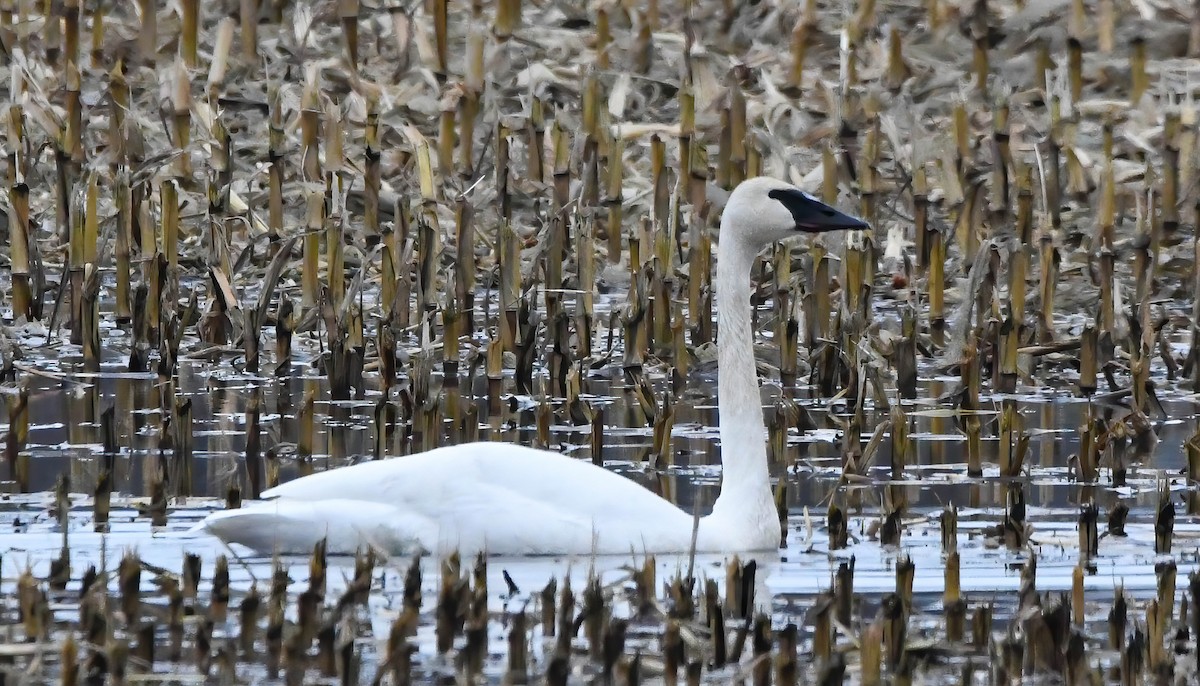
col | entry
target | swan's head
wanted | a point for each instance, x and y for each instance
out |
(763, 210)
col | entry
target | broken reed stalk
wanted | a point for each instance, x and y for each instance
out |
(180, 107)
(220, 57)
(314, 225)
(23, 303)
(802, 36)
(1106, 237)
(334, 227)
(189, 34)
(70, 26)
(147, 41)
(124, 244)
(348, 13)
(248, 14)
(89, 279)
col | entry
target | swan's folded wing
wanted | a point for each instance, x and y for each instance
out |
(503, 497)
(294, 526)
(381, 481)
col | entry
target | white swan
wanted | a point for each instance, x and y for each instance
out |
(507, 499)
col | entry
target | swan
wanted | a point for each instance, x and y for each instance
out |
(506, 499)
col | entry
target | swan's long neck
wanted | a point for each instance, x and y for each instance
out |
(745, 487)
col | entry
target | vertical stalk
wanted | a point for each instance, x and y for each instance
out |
(18, 230)
(148, 35)
(189, 33)
(276, 148)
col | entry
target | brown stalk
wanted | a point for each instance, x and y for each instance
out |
(348, 13)
(441, 36)
(1164, 522)
(1106, 239)
(786, 327)
(508, 18)
(1106, 20)
(118, 93)
(184, 434)
(871, 654)
(973, 425)
(189, 33)
(737, 128)
(123, 198)
(401, 307)
(1043, 64)
(1139, 80)
(314, 224)
(219, 186)
(1171, 174)
(1166, 573)
(17, 159)
(428, 250)
(979, 37)
(1075, 68)
(220, 57)
(586, 277)
(469, 103)
(724, 151)
(613, 197)
(249, 20)
(699, 281)
(956, 608)
(898, 70)
(334, 228)
(18, 230)
(97, 52)
(306, 421)
(181, 120)
(73, 148)
(390, 267)
(169, 200)
(70, 22)
(310, 130)
(452, 329)
(447, 132)
(603, 39)
(148, 33)
(802, 36)
(84, 242)
(1003, 157)
(510, 284)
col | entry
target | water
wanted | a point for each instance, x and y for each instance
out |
(64, 438)
(66, 403)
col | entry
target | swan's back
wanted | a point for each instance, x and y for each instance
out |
(442, 472)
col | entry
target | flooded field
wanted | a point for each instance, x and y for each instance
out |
(244, 242)
(67, 439)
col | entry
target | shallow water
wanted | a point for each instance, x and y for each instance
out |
(64, 437)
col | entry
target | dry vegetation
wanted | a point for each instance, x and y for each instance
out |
(419, 191)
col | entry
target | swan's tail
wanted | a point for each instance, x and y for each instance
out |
(289, 527)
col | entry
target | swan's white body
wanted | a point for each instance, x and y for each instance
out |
(506, 499)
(477, 496)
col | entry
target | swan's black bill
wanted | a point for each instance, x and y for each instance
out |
(812, 215)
